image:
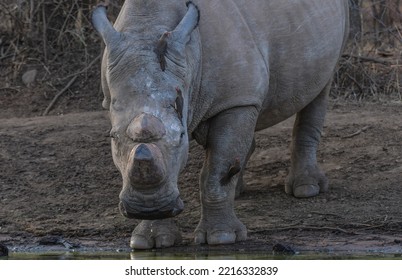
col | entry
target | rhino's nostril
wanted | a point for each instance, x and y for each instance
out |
(143, 153)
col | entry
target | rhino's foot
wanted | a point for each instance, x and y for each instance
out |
(155, 234)
(226, 231)
(306, 183)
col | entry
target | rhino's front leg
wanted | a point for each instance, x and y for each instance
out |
(305, 178)
(150, 234)
(230, 138)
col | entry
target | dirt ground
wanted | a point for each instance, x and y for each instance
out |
(59, 186)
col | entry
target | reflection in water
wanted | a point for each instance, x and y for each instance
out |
(158, 255)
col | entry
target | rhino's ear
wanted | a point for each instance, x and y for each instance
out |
(103, 25)
(187, 24)
(180, 36)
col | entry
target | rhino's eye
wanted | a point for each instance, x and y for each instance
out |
(116, 105)
(182, 134)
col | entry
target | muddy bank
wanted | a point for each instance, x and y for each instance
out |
(58, 180)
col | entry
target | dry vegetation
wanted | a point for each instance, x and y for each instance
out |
(48, 50)
(371, 65)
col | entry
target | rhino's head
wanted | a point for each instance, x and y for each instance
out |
(148, 76)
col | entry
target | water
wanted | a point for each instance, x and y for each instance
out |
(157, 255)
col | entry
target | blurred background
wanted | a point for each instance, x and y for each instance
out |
(50, 56)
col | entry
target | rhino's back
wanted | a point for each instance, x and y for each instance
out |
(276, 55)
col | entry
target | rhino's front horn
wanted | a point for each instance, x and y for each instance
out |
(146, 167)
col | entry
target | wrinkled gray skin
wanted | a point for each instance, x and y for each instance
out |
(225, 69)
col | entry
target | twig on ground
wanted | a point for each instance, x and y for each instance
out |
(306, 228)
(51, 104)
(357, 228)
(356, 133)
(367, 59)
(325, 214)
(10, 88)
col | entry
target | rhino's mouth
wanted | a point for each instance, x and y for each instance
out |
(168, 211)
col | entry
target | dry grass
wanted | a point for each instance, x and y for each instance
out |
(371, 65)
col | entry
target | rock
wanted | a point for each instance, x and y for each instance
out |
(50, 240)
(280, 249)
(29, 77)
(57, 240)
(3, 250)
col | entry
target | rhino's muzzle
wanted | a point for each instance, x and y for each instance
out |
(169, 211)
(146, 167)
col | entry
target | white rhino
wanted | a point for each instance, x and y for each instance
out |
(215, 71)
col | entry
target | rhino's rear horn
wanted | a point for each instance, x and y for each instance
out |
(146, 128)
